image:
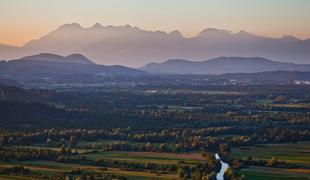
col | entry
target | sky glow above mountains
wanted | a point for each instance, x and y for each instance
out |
(22, 21)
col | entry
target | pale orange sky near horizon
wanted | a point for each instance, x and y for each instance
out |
(22, 21)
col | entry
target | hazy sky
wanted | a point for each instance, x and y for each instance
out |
(23, 20)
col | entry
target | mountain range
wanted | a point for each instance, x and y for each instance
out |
(135, 47)
(54, 67)
(73, 58)
(222, 65)
(51, 69)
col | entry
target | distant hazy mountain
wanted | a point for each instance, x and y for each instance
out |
(131, 46)
(11, 52)
(73, 58)
(54, 67)
(223, 65)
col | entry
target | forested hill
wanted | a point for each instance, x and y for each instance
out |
(13, 93)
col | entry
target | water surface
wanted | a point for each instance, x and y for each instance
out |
(224, 167)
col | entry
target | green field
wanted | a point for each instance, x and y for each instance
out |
(267, 173)
(293, 153)
(143, 157)
(53, 168)
(296, 153)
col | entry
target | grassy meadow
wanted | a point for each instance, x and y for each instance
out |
(53, 168)
(295, 153)
(298, 153)
(264, 173)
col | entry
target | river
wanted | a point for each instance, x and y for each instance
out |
(224, 167)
